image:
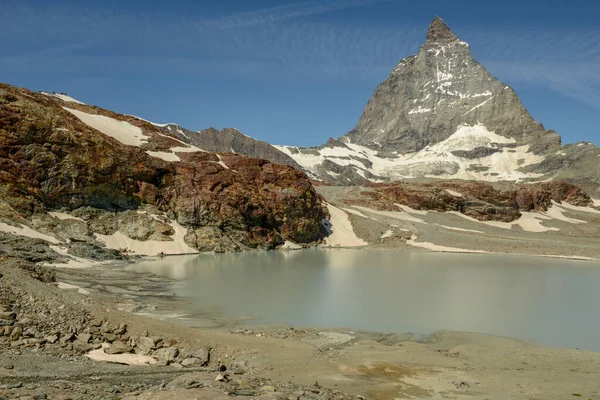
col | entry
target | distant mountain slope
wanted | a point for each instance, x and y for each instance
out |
(439, 114)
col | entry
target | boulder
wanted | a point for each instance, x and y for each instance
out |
(118, 348)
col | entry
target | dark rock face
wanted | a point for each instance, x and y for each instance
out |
(50, 159)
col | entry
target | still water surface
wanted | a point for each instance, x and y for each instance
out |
(551, 301)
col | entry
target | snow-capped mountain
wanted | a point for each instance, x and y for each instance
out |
(440, 114)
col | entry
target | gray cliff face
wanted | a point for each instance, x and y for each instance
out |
(230, 140)
(428, 95)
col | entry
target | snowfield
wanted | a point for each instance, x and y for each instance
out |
(436, 160)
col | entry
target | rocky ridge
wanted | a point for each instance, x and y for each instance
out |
(118, 175)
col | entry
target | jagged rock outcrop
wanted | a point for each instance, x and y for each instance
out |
(478, 200)
(230, 140)
(57, 154)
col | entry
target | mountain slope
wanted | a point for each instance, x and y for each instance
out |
(439, 114)
(128, 180)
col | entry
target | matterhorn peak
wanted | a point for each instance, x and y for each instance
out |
(439, 31)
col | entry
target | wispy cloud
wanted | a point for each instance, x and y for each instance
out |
(286, 12)
(281, 42)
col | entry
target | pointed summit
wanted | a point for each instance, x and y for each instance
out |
(439, 31)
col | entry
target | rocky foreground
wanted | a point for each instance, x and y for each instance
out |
(67, 344)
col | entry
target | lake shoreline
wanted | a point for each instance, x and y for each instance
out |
(356, 363)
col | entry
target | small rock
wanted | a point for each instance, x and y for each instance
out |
(188, 362)
(223, 368)
(84, 337)
(67, 337)
(40, 396)
(222, 378)
(202, 354)
(114, 389)
(176, 365)
(52, 339)
(81, 346)
(166, 355)
(461, 384)
(17, 385)
(110, 337)
(118, 348)
(16, 333)
(267, 388)
(120, 330)
(145, 344)
(8, 366)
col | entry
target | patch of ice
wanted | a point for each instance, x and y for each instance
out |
(342, 233)
(27, 232)
(453, 193)
(149, 247)
(122, 131)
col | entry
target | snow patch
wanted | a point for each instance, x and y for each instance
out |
(289, 245)
(73, 262)
(435, 161)
(122, 131)
(342, 233)
(403, 216)
(453, 228)
(127, 359)
(149, 247)
(27, 232)
(420, 110)
(63, 216)
(453, 193)
(434, 247)
(578, 208)
(387, 234)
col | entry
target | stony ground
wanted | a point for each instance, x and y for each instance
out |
(46, 333)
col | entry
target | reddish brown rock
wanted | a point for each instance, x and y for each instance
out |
(483, 201)
(50, 159)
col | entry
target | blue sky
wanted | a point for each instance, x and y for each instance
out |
(293, 72)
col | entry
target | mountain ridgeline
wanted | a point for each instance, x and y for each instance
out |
(439, 114)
